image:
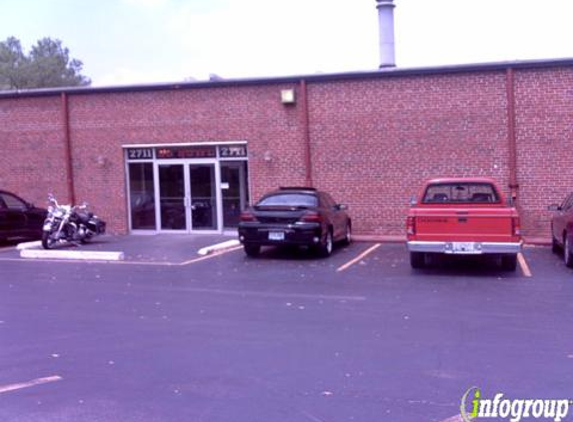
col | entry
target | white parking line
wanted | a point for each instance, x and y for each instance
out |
(358, 258)
(523, 265)
(456, 418)
(286, 295)
(32, 383)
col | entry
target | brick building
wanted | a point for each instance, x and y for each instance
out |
(187, 157)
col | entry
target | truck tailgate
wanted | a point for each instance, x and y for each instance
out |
(464, 224)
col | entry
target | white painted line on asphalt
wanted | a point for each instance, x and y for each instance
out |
(311, 417)
(75, 255)
(523, 265)
(29, 245)
(219, 247)
(244, 293)
(358, 258)
(456, 418)
(32, 383)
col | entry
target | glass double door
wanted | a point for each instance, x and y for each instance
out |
(188, 196)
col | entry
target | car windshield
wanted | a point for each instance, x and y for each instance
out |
(450, 193)
(289, 200)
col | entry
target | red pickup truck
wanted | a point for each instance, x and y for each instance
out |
(463, 216)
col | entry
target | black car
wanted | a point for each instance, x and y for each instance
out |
(295, 216)
(19, 218)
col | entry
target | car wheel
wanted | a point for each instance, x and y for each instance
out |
(417, 260)
(509, 262)
(348, 234)
(554, 245)
(326, 248)
(252, 250)
(567, 252)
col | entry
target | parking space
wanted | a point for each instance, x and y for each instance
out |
(142, 249)
(364, 260)
(360, 259)
(356, 336)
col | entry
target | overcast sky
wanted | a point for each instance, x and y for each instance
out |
(147, 41)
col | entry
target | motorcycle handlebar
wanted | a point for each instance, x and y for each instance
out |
(52, 199)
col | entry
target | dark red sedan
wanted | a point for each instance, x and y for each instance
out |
(562, 229)
(19, 218)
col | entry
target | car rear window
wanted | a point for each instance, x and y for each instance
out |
(289, 200)
(454, 193)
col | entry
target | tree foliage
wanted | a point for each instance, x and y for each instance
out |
(47, 65)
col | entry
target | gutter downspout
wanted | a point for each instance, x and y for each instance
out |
(511, 136)
(68, 148)
(306, 133)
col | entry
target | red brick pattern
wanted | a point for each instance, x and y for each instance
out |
(373, 140)
(544, 110)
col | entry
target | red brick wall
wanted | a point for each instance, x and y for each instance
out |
(32, 160)
(544, 110)
(101, 124)
(374, 141)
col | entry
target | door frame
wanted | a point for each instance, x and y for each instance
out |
(188, 194)
(244, 193)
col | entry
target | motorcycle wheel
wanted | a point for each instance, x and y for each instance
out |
(47, 241)
(86, 238)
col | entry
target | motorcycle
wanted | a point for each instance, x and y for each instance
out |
(71, 223)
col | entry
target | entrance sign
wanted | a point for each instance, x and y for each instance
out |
(187, 152)
(140, 153)
(232, 151)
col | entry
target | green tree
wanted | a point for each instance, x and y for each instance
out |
(48, 65)
(13, 65)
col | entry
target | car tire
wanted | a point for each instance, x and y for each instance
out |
(252, 250)
(325, 249)
(509, 262)
(567, 252)
(554, 245)
(347, 234)
(417, 260)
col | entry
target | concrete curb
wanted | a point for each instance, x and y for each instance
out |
(29, 245)
(79, 255)
(219, 247)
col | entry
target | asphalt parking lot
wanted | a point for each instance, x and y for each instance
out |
(167, 335)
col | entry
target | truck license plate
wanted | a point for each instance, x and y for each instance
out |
(465, 248)
(276, 236)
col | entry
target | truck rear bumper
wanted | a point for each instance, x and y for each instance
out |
(465, 248)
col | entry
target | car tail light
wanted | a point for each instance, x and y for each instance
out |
(248, 216)
(515, 226)
(411, 225)
(312, 217)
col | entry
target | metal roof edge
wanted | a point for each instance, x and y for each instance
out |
(317, 77)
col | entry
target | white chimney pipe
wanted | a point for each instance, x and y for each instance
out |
(386, 27)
